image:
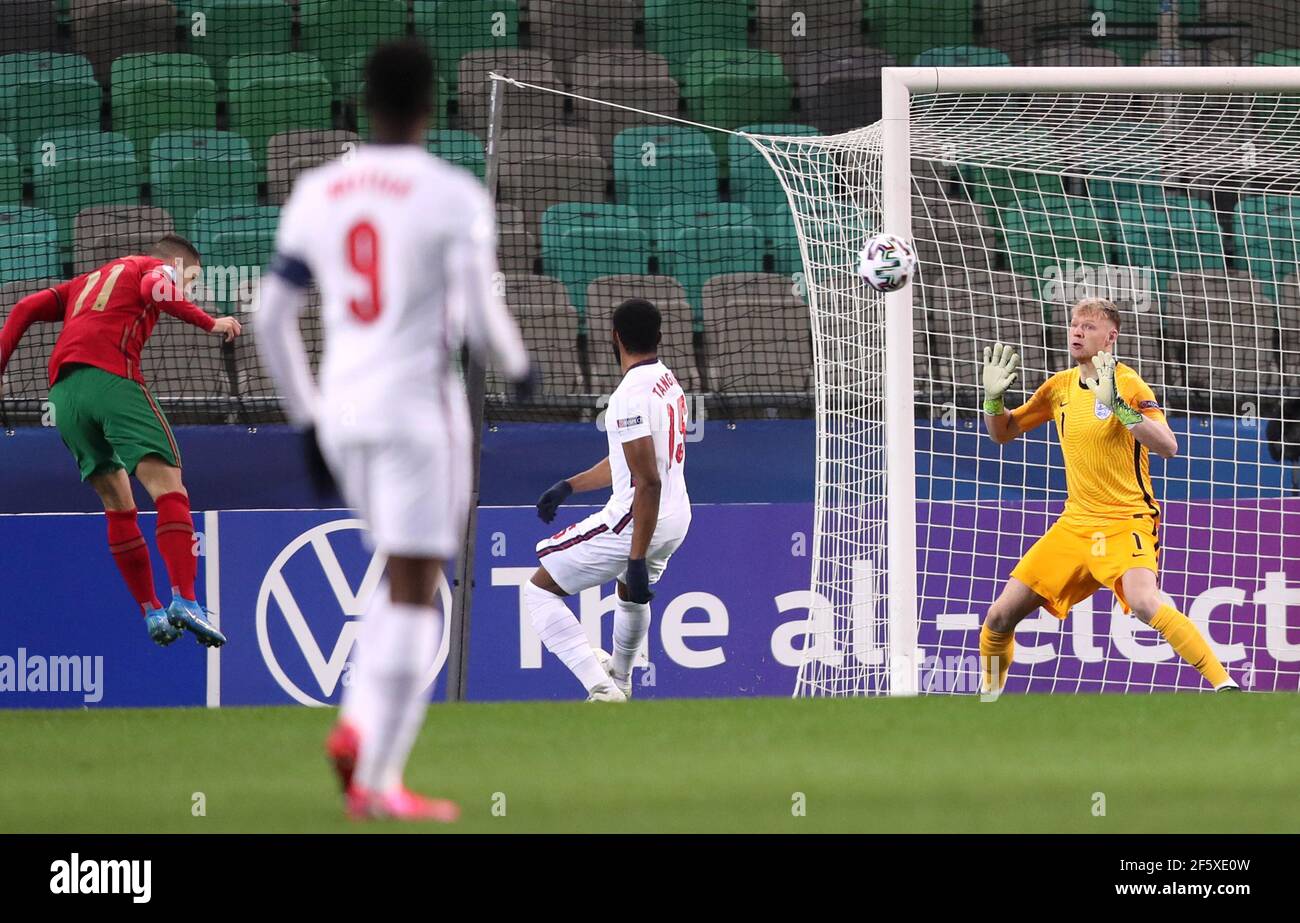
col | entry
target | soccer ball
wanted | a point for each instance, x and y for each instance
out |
(887, 262)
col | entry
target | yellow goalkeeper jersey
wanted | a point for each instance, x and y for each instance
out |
(1107, 471)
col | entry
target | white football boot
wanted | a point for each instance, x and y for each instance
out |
(607, 664)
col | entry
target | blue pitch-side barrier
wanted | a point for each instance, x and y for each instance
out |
(289, 583)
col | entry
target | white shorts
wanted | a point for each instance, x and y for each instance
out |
(414, 496)
(591, 552)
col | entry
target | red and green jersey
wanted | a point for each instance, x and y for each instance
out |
(107, 315)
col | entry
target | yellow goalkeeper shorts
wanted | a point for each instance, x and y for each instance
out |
(1072, 561)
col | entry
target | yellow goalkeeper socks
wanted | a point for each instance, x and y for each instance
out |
(1178, 630)
(996, 648)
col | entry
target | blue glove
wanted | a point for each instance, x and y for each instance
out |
(638, 581)
(550, 501)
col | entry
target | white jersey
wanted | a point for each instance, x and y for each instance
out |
(648, 402)
(403, 248)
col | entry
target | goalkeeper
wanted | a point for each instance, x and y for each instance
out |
(1108, 422)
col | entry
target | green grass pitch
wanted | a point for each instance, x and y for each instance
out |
(1163, 763)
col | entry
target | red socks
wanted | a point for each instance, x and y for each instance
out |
(175, 537)
(132, 556)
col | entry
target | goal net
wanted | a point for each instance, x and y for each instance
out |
(1177, 197)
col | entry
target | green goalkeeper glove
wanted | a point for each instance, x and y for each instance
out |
(1000, 364)
(1104, 390)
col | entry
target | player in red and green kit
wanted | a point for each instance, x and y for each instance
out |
(112, 424)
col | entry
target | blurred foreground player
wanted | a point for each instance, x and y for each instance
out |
(1108, 421)
(643, 523)
(112, 424)
(403, 248)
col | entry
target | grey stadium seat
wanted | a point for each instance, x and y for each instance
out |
(668, 295)
(839, 90)
(549, 325)
(291, 152)
(106, 232)
(545, 166)
(523, 108)
(30, 25)
(567, 29)
(639, 79)
(27, 374)
(757, 334)
(182, 365)
(104, 30)
(825, 25)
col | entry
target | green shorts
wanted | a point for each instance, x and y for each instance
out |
(109, 422)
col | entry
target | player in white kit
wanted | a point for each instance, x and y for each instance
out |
(403, 249)
(644, 522)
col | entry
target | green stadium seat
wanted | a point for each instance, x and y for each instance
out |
(677, 29)
(73, 169)
(453, 28)
(753, 181)
(338, 31)
(905, 28)
(161, 92)
(190, 170)
(29, 244)
(463, 148)
(237, 242)
(1181, 234)
(269, 94)
(962, 56)
(41, 90)
(238, 27)
(583, 241)
(11, 173)
(694, 244)
(658, 165)
(1267, 230)
(734, 88)
(1051, 231)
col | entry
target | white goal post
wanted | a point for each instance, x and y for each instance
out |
(1169, 190)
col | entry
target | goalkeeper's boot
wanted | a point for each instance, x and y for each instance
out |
(1229, 686)
(188, 614)
(160, 627)
(341, 747)
(607, 664)
(400, 804)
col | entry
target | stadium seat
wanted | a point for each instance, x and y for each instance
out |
(30, 25)
(516, 242)
(962, 56)
(29, 244)
(161, 92)
(11, 173)
(659, 165)
(1181, 234)
(1288, 308)
(236, 243)
(463, 148)
(549, 325)
(733, 88)
(1000, 308)
(239, 27)
(697, 243)
(252, 386)
(756, 334)
(1017, 27)
(678, 29)
(546, 166)
(753, 181)
(907, 27)
(1267, 229)
(1136, 12)
(524, 108)
(839, 90)
(797, 26)
(582, 242)
(189, 170)
(1051, 230)
(76, 168)
(290, 153)
(338, 32)
(270, 94)
(1203, 314)
(1282, 113)
(1075, 55)
(26, 376)
(106, 232)
(637, 79)
(41, 89)
(1268, 23)
(104, 30)
(676, 349)
(454, 28)
(185, 370)
(566, 29)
